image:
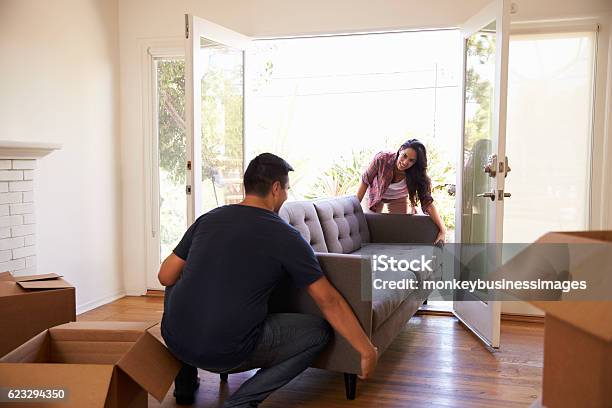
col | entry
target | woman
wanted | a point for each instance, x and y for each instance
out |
(394, 177)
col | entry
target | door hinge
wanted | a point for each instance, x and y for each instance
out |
(188, 190)
(186, 26)
(188, 164)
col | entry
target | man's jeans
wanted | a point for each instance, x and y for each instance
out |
(288, 344)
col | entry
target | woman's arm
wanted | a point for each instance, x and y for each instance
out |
(363, 187)
(368, 177)
(435, 217)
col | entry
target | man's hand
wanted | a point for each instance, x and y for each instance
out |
(440, 238)
(368, 363)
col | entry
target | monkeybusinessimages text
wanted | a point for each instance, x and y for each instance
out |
(384, 263)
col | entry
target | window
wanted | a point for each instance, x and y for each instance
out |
(328, 104)
(171, 154)
(549, 132)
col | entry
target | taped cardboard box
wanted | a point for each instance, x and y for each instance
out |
(31, 304)
(578, 337)
(96, 364)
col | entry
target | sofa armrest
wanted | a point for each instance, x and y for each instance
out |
(401, 228)
(351, 275)
(344, 273)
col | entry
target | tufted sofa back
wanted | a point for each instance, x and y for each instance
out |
(335, 225)
(343, 223)
(302, 216)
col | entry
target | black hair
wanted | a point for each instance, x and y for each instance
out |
(417, 180)
(263, 171)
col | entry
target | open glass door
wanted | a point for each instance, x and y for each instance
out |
(480, 182)
(214, 75)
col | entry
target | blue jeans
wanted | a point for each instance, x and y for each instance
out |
(288, 344)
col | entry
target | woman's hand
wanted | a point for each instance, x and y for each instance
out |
(368, 363)
(435, 217)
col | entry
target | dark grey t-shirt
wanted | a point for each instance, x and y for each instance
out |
(235, 255)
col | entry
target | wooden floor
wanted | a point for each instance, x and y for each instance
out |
(434, 362)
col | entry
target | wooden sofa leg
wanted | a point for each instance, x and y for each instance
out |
(350, 385)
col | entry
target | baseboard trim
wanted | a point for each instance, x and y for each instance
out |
(154, 293)
(86, 307)
(433, 312)
(513, 317)
(509, 317)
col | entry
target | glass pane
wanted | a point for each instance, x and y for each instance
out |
(478, 142)
(172, 141)
(222, 124)
(550, 77)
(480, 81)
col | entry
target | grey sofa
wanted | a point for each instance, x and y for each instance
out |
(344, 238)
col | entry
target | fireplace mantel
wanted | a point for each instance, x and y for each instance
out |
(18, 163)
(26, 150)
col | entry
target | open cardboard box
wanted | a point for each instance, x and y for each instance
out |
(98, 364)
(578, 336)
(31, 304)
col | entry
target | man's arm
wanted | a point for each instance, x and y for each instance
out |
(170, 270)
(339, 314)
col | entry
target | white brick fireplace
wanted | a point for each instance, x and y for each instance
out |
(18, 162)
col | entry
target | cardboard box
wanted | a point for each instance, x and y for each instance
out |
(578, 339)
(31, 304)
(98, 364)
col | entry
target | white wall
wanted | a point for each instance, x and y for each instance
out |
(144, 21)
(59, 83)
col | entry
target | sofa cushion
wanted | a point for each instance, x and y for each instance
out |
(343, 223)
(386, 301)
(302, 216)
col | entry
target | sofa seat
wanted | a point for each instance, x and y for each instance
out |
(386, 301)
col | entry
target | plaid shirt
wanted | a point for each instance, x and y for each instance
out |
(379, 176)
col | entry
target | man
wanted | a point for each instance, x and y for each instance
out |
(219, 279)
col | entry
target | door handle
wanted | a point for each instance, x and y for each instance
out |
(491, 195)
